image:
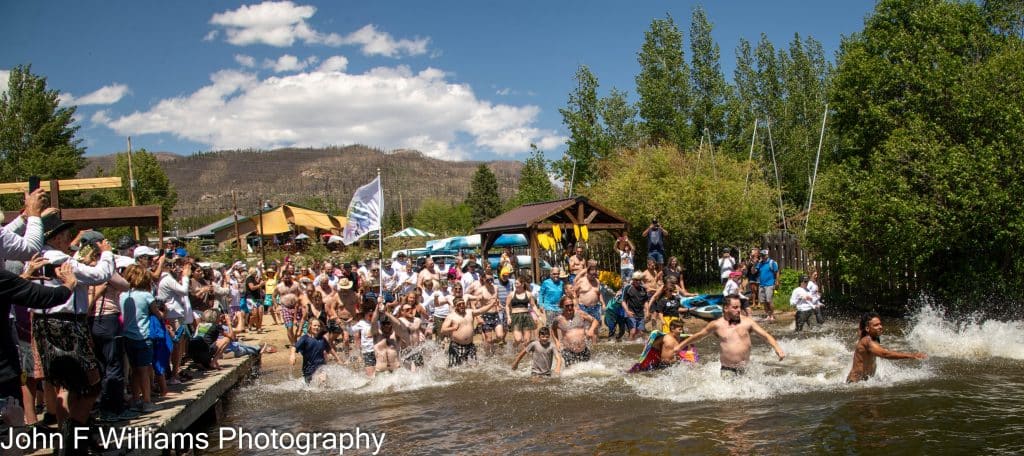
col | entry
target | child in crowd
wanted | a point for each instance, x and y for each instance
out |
(544, 356)
(314, 348)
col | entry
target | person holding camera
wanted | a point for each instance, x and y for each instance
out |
(62, 334)
(23, 237)
(655, 235)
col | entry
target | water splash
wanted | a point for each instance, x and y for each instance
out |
(972, 338)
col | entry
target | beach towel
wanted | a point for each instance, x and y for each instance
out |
(651, 359)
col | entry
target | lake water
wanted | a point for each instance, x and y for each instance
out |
(967, 398)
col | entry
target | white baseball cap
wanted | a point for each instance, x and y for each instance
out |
(145, 251)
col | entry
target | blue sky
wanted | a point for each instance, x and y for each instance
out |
(456, 80)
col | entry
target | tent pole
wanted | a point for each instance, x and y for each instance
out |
(778, 183)
(817, 157)
(746, 186)
(380, 233)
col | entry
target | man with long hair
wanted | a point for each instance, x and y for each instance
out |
(869, 346)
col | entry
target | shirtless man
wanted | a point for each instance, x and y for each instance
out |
(670, 344)
(427, 273)
(589, 297)
(409, 331)
(332, 304)
(349, 300)
(733, 331)
(571, 331)
(869, 347)
(483, 294)
(459, 326)
(288, 287)
(651, 277)
(577, 264)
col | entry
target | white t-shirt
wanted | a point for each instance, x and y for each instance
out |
(815, 292)
(725, 265)
(365, 339)
(625, 260)
(731, 287)
(801, 299)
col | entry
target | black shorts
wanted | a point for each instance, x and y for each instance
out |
(491, 320)
(369, 359)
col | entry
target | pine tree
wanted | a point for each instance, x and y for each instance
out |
(37, 137)
(663, 85)
(483, 198)
(709, 87)
(534, 184)
(587, 143)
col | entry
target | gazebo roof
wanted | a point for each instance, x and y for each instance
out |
(578, 210)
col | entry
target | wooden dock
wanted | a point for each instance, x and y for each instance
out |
(190, 402)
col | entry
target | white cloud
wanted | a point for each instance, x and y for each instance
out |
(5, 76)
(103, 96)
(211, 35)
(245, 60)
(334, 63)
(375, 42)
(504, 92)
(277, 24)
(388, 107)
(283, 23)
(100, 117)
(288, 62)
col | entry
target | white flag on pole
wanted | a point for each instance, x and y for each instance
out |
(363, 212)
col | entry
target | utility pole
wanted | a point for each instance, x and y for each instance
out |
(263, 248)
(131, 181)
(401, 210)
(234, 211)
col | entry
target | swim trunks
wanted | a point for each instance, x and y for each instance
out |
(573, 358)
(458, 353)
(369, 359)
(491, 321)
(733, 372)
(288, 315)
(415, 357)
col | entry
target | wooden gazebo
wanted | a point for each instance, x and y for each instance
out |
(531, 219)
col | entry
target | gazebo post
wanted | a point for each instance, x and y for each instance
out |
(531, 238)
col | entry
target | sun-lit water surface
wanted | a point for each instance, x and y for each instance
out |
(968, 397)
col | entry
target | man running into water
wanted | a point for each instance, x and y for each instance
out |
(588, 294)
(409, 330)
(459, 326)
(571, 331)
(733, 331)
(483, 294)
(869, 346)
(288, 287)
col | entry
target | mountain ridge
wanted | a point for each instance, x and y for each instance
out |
(204, 180)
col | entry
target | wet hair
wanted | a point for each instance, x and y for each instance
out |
(544, 331)
(676, 324)
(864, 320)
(732, 297)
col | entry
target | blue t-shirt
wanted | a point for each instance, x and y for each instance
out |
(312, 351)
(766, 272)
(550, 294)
(135, 311)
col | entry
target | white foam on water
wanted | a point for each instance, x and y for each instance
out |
(811, 365)
(970, 339)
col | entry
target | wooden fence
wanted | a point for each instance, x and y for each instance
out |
(701, 266)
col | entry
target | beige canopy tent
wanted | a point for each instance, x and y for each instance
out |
(280, 219)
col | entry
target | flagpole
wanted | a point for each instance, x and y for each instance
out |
(380, 236)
